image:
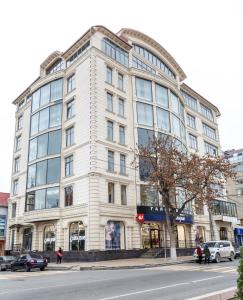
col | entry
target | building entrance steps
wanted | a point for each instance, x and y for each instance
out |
(131, 263)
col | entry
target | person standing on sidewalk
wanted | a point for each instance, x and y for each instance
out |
(59, 255)
(207, 254)
(199, 254)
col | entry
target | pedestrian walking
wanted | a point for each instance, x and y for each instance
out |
(59, 255)
(207, 254)
(199, 254)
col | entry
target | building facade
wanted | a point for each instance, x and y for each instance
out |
(77, 126)
(3, 220)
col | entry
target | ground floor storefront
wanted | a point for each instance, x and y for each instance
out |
(2, 247)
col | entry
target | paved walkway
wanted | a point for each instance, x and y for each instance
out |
(119, 264)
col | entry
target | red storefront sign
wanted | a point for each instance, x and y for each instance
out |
(140, 218)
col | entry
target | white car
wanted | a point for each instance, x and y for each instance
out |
(218, 250)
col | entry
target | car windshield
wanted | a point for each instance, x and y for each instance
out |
(211, 244)
(35, 255)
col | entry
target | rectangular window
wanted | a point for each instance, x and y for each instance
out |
(161, 94)
(41, 170)
(70, 109)
(110, 130)
(110, 161)
(206, 112)
(18, 143)
(56, 90)
(68, 195)
(120, 81)
(121, 108)
(190, 101)
(16, 165)
(53, 170)
(36, 100)
(69, 136)
(145, 137)
(163, 119)
(191, 121)
(175, 103)
(144, 89)
(52, 197)
(71, 83)
(55, 115)
(69, 165)
(210, 149)
(209, 131)
(44, 119)
(20, 122)
(42, 145)
(122, 164)
(40, 199)
(192, 141)
(111, 190)
(14, 206)
(45, 95)
(122, 135)
(109, 75)
(148, 195)
(34, 124)
(123, 195)
(176, 126)
(145, 114)
(109, 98)
(15, 187)
(115, 52)
(54, 144)
(31, 176)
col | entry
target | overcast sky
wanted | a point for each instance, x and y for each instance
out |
(205, 38)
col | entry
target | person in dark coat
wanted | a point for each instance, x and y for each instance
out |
(199, 254)
(207, 254)
(59, 255)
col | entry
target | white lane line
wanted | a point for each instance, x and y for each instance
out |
(159, 288)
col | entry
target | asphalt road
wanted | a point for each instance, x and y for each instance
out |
(167, 283)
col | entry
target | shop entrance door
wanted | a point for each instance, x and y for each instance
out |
(155, 238)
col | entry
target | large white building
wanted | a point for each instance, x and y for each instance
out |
(77, 126)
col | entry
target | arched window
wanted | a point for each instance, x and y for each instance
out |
(77, 236)
(49, 238)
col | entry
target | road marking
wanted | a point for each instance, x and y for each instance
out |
(160, 288)
(31, 274)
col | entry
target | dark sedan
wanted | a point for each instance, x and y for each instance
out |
(5, 262)
(29, 261)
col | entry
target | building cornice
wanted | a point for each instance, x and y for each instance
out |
(194, 94)
(143, 37)
(50, 59)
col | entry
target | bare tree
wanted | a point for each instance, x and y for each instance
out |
(172, 171)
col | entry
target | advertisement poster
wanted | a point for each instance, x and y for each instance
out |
(112, 235)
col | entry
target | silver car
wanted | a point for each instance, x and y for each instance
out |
(5, 262)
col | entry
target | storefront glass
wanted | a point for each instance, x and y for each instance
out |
(77, 236)
(49, 238)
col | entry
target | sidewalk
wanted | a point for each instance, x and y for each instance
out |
(131, 263)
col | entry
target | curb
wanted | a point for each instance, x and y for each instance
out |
(218, 295)
(89, 268)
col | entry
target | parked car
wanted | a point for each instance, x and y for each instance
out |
(219, 250)
(5, 262)
(29, 261)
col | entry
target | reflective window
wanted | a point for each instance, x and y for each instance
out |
(210, 149)
(145, 168)
(44, 119)
(36, 100)
(190, 101)
(175, 103)
(206, 112)
(40, 199)
(122, 164)
(34, 124)
(58, 65)
(192, 141)
(49, 238)
(15, 187)
(17, 165)
(77, 236)
(163, 119)
(81, 51)
(114, 51)
(191, 121)
(52, 197)
(56, 90)
(42, 145)
(161, 95)
(69, 136)
(121, 107)
(148, 195)
(54, 144)
(145, 137)
(109, 98)
(44, 95)
(176, 126)
(68, 195)
(31, 176)
(70, 109)
(41, 169)
(111, 194)
(120, 81)
(110, 161)
(55, 115)
(109, 75)
(14, 206)
(140, 65)
(71, 85)
(145, 114)
(20, 122)
(110, 130)
(123, 195)
(209, 131)
(69, 165)
(122, 135)
(33, 149)
(53, 170)
(144, 89)
(18, 143)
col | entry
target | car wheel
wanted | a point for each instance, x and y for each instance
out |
(232, 256)
(217, 258)
(42, 269)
